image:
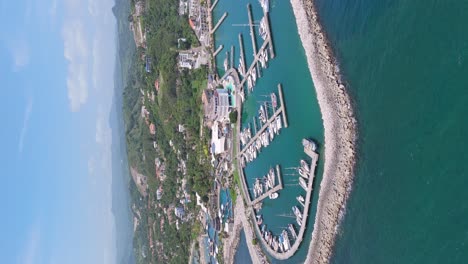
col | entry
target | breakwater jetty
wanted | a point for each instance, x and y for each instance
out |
(339, 126)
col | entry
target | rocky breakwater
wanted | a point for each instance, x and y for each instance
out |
(339, 126)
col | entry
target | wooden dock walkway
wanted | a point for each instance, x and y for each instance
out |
(278, 187)
(279, 111)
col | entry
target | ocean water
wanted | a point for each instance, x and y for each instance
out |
(406, 64)
(289, 68)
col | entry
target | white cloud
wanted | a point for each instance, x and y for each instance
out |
(20, 52)
(76, 53)
(53, 8)
(97, 62)
(24, 128)
(91, 165)
(93, 7)
(30, 252)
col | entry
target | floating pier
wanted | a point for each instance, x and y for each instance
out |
(252, 35)
(241, 45)
(269, 39)
(219, 23)
(254, 63)
(252, 32)
(218, 50)
(280, 92)
(280, 110)
(232, 57)
(213, 5)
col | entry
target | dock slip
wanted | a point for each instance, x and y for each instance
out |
(278, 187)
(219, 23)
(300, 235)
(281, 110)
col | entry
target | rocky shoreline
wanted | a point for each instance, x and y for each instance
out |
(340, 131)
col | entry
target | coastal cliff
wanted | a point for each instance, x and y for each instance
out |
(340, 131)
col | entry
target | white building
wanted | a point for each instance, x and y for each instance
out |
(221, 104)
(218, 141)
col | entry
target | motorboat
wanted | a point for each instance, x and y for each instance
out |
(274, 102)
(303, 183)
(305, 165)
(309, 144)
(292, 230)
(299, 221)
(297, 212)
(300, 199)
(303, 173)
(273, 195)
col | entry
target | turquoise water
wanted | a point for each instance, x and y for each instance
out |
(406, 65)
(289, 67)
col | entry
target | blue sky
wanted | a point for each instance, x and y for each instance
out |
(56, 71)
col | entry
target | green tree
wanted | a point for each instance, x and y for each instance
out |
(233, 117)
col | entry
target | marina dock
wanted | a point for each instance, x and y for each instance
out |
(305, 213)
(252, 32)
(278, 187)
(218, 50)
(213, 5)
(280, 92)
(241, 45)
(219, 23)
(254, 63)
(269, 39)
(280, 111)
(252, 35)
(232, 57)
